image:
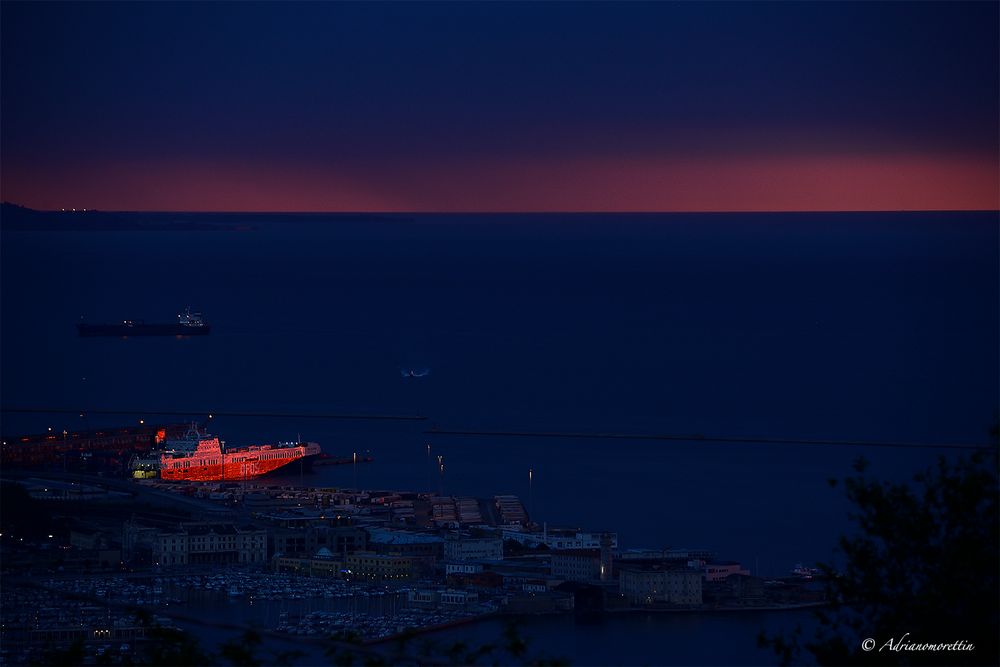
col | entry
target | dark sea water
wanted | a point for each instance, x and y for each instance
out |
(720, 638)
(848, 326)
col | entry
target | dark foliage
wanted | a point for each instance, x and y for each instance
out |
(509, 649)
(240, 652)
(69, 657)
(172, 647)
(924, 562)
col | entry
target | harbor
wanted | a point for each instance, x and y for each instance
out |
(361, 566)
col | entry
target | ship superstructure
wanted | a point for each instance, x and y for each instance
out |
(201, 457)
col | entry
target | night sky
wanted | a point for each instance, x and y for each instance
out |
(500, 106)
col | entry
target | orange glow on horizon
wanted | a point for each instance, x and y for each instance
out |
(718, 183)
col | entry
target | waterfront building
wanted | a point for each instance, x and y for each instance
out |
(137, 542)
(462, 568)
(458, 598)
(607, 557)
(577, 564)
(322, 564)
(538, 601)
(83, 552)
(526, 580)
(483, 579)
(437, 599)
(308, 540)
(402, 511)
(89, 539)
(422, 597)
(91, 547)
(429, 548)
(588, 598)
(653, 583)
(560, 538)
(531, 586)
(734, 590)
(510, 510)
(399, 508)
(718, 571)
(467, 548)
(202, 543)
(371, 566)
(510, 574)
(69, 632)
(443, 512)
(681, 555)
(468, 511)
(448, 511)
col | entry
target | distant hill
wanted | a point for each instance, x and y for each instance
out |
(8, 206)
(13, 214)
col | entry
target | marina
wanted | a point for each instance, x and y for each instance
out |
(84, 606)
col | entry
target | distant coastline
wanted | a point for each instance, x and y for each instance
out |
(14, 217)
(396, 214)
(19, 218)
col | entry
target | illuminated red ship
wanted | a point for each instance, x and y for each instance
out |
(199, 457)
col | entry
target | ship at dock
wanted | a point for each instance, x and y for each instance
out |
(188, 324)
(200, 457)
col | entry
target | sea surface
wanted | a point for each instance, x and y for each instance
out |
(854, 326)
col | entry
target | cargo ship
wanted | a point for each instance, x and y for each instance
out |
(200, 457)
(188, 324)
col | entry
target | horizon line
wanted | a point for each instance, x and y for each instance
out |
(520, 212)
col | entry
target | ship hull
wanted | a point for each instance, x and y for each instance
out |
(209, 464)
(93, 330)
(231, 472)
